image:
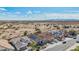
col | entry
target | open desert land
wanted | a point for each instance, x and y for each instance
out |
(14, 29)
(11, 29)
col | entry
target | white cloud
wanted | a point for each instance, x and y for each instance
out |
(3, 9)
(53, 16)
(44, 16)
(17, 12)
(35, 17)
(72, 11)
(29, 12)
(62, 16)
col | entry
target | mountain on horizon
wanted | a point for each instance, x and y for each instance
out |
(58, 19)
(63, 20)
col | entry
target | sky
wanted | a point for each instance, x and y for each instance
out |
(39, 13)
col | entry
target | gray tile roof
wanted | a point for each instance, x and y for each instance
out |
(20, 42)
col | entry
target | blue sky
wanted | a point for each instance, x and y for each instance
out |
(39, 13)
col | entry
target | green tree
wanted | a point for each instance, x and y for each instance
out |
(25, 33)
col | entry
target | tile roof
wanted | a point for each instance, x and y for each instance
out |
(46, 36)
(5, 44)
(20, 42)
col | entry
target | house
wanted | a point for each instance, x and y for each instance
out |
(58, 34)
(37, 39)
(5, 46)
(20, 43)
(72, 34)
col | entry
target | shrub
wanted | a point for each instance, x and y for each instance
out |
(76, 49)
(25, 33)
